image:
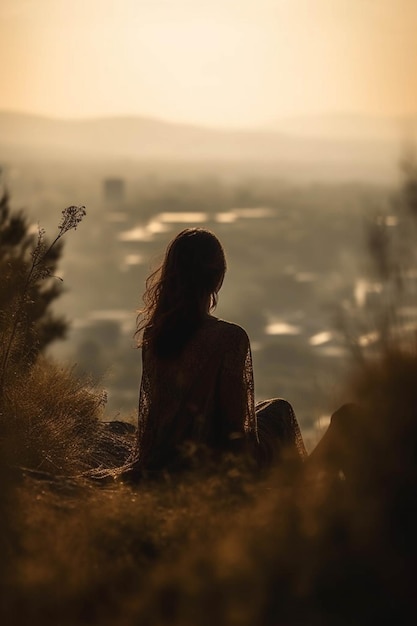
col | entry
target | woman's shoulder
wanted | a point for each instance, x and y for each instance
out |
(228, 329)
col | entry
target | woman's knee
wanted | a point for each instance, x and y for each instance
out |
(347, 420)
(278, 405)
(276, 420)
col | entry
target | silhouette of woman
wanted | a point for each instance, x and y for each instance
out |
(197, 389)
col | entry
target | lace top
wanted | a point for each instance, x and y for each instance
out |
(205, 395)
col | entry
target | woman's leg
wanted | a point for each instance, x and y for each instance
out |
(341, 445)
(279, 433)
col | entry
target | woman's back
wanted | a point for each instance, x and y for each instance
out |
(204, 395)
(197, 382)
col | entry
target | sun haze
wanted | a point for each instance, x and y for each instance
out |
(218, 63)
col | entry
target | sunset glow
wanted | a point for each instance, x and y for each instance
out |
(219, 63)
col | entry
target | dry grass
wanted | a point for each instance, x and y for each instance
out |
(208, 548)
(51, 420)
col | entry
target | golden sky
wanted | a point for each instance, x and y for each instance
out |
(212, 62)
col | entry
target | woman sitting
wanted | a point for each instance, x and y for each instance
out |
(197, 390)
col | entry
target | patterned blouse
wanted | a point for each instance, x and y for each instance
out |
(203, 397)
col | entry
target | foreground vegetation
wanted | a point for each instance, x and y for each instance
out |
(212, 547)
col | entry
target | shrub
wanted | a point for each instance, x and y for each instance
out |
(28, 287)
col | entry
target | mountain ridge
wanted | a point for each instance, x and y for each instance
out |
(25, 135)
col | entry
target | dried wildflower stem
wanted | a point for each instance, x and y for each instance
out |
(71, 217)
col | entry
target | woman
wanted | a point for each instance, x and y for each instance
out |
(197, 390)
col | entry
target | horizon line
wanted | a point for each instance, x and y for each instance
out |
(259, 126)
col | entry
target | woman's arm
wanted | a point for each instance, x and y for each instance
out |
(236, 392)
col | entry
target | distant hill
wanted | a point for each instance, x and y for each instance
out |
(349, 126)
(290, 145)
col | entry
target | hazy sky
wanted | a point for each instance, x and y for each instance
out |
(216, 62)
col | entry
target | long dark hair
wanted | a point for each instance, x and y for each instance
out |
(181, 292)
